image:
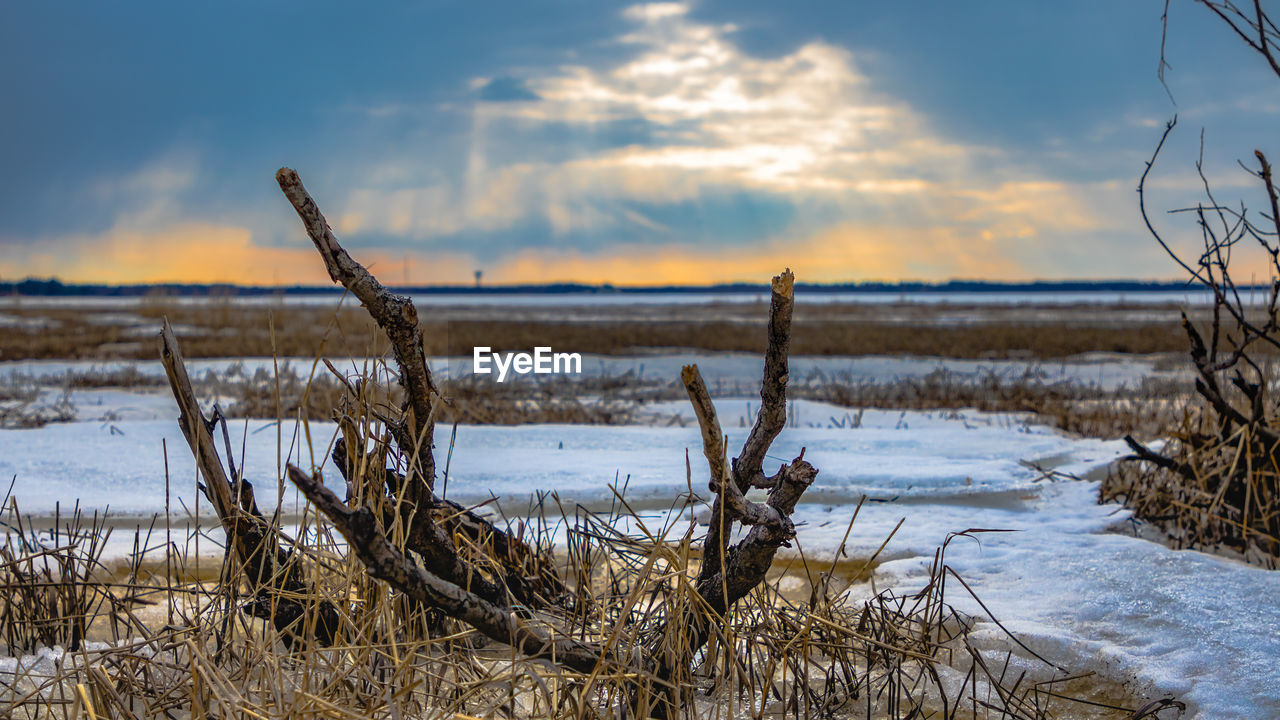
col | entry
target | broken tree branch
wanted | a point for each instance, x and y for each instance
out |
(772, 417)
(385, 562)
(738, 507)
(395, 314)
(397, 317)
(728, 574)
(274, 575)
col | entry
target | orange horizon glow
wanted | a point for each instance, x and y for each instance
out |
(210, 254)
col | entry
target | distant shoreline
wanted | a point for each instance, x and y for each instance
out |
(54, 288)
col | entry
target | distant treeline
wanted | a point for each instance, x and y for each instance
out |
(54, 287)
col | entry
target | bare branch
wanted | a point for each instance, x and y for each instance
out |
(772, 417)
(273, 573)
(1142, 452)
(385, 562)
(1257, 31)
(734, 502)
(395, 314)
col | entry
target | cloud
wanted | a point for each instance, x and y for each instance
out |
(183, 252)
(807, 128)
(840, 253)
(688, 159)
(196, 252)
(506, 89)
(156, 237)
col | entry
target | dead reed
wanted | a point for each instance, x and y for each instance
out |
(28, 407)
(1209, 487)
(148, 637)
(220, 328)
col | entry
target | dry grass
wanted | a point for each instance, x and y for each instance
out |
(25, 406)
(218, 328)
(471, 400)
(1145, 411)
(1221, 492)
(151, 637)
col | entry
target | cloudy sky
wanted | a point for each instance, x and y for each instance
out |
(713, 141)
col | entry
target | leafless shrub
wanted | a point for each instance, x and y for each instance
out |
(33, 409)
(1216, 483)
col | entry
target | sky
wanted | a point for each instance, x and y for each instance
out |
(580, 140)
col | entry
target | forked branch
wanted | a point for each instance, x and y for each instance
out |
(414, 434)
(387, 563)
(395, 314)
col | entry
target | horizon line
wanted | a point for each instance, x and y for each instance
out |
(53, 286)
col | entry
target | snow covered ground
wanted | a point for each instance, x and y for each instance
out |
(117, 460)
(1165, 622)
(1107, 371)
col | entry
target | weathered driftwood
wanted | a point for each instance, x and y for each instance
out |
(397, 317)
(529, 580)
(414, 491)
(729, 573)
(386, 562)
(443, 581)
(274, 575)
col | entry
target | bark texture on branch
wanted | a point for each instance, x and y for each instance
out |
(397, 317)
(727, 573)
(414, 434)
(529, 581)
(747, 470)
(274, 575)
(387, 563)
(772, 417)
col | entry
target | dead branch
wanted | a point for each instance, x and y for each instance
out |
(1142, 452)
(747, 468)
(772, 417)
(387, 563)
(736, 505)
(728, 574)
(274, 575)
(528, 579)
(398, 319)
(1216, 482)
(1253, 26)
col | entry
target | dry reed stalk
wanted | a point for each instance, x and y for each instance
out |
(893, 655)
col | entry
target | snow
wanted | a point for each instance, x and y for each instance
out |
(26, 323)
(723, 371)
(118, 461)
(1203, 628)
(1200, 627)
